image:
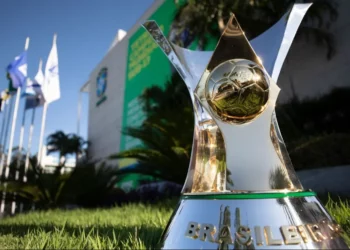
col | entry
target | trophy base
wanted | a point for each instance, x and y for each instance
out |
(293, 220)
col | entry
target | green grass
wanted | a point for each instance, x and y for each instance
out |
(129, 227)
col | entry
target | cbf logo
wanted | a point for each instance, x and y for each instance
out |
(101, 85)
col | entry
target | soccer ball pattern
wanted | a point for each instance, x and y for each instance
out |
(237, 91)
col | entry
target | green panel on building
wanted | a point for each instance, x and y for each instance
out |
(146, 66)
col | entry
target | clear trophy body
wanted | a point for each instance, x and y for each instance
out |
(241, 190)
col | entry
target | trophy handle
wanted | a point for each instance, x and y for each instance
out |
(205, 127)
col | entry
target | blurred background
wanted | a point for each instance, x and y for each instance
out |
(114, 135)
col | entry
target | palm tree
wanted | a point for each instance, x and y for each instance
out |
(170, 107)
(59, 142)
(65, 144)
(78, 145)
(163, 155)
(166, 133)
(200, 20)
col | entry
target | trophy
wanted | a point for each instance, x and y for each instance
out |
(241, 191)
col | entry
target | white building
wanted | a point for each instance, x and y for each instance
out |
(112, 107)
(106, 115)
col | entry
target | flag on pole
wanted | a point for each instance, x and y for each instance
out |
(5, 94)
(17, 71)
(33, 92)
(33, 95)
(51, 87)
(51, 90)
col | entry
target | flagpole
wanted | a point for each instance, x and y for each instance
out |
(9, 156)
(51, 90)
(2, 207)
(8, 119)
(14, 119)
(31, 130)
(18, 166)
(4, 113)
(2, 124)
(39, 79)
(26, 165)
(13, 128)
(21, 141)
(20, 146)
(43, 121)
(3, 128)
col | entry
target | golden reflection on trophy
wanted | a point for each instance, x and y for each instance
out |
(210, 176)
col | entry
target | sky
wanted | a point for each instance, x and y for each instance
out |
(85, 31)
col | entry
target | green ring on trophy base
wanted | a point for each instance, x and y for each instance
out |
(230, 196)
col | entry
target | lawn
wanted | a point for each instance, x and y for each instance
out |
(129, 227)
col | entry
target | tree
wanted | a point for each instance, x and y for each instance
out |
(65, 144)
(78, 145)
(59, 142)
(87, 185)
(200, 19)
(166, 133)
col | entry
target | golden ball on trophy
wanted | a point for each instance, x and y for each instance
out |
(237, 91)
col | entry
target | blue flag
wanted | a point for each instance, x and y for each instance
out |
(32, 102)
(33, 94)
(17, 71)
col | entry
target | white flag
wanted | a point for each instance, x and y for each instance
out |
(51, 86)
(39, 77)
